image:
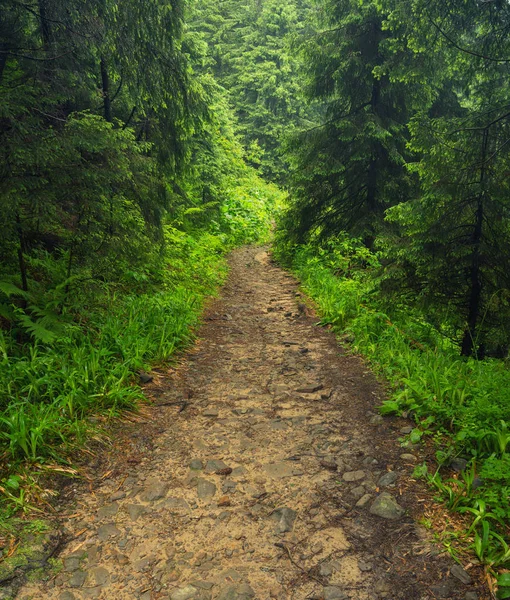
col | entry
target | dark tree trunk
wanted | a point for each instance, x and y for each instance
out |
(107, 102)
(21, 254)
(45, 26)
(469, 340)
(475, 294)
(3, 59)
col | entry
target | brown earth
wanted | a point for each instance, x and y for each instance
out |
(256, 476)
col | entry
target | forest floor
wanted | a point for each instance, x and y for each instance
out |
(265, 472)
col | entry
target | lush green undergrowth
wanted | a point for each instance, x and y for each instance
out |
(463, 403)
(69, 356)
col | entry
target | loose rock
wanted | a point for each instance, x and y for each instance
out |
(388, 479)
(387, 507)
(353, 476)
(284, 518)
(205, 489)
(461, 574)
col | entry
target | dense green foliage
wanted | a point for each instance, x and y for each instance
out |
(123, 183)
(250, 53)
(412, 155)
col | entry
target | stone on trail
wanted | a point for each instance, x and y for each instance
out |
(387, 479)
(109, 510)
(408, 458)
(310, 389)
(106, 531)
(184, 593)
(78, 579)
(154, 491)
(353, 476)
(205, 489)
(459, 573)
(67, 596)
(135, 511)
(210, 412)
(332, 592)
(236, 592)
(99, 576)
(363, 501)
(196, 464)
(387, 507)
(214, 465)
(284, 518)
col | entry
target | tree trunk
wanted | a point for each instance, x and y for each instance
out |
(21, 254)
(45, 26)
(3, 59)
(107, 103)
(475, 294)
(469, 340)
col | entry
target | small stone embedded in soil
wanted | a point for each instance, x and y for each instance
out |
(406, 457)
(406, 430)
(353, 476)
(284, 518)
(388, 478)
(224, 501)
(99, 576)
(196, 464)
(459, 573)
(444, 590)
(211, 412)
(387, 507)
(106, 531)
(215, 465)
(376, 420)
(110, 510)
(67, 596)
(364, 500)
(239, 471)
(358, 492)
(332, 592)
(309, 389)
(236, 592)
(154, 491)
(203, 585)
(471, 596)
(205, 489)
(184, 593)
(135, 511)
(78, 579)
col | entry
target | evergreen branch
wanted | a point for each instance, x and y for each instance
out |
(465, 50)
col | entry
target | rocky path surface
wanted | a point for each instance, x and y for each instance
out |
(276, 480)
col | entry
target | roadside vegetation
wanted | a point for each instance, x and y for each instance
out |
(123, 184)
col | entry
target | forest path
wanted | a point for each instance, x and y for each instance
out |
(264, 485)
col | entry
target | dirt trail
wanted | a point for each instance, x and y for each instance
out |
(264, 485)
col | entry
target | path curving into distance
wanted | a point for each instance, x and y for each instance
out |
(276, 480)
